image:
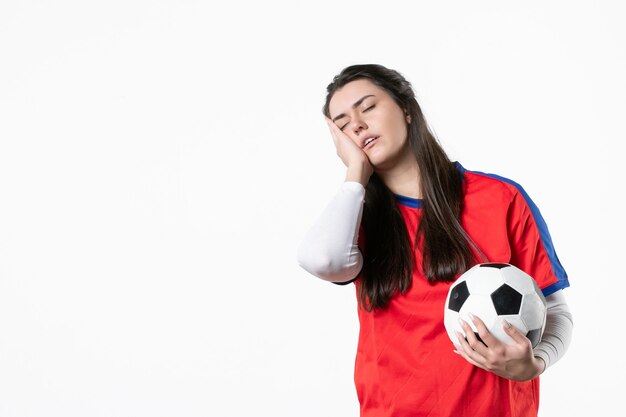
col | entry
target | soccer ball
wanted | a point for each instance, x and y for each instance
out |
(495, 292)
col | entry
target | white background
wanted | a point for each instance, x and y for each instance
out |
(161, 160)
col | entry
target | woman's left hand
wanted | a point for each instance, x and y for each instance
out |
(515, 361)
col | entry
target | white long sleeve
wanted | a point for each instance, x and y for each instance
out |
(558, 331)
(330, 249)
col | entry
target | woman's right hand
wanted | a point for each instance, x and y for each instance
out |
(354, 158)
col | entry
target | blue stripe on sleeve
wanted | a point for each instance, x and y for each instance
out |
(560, 273)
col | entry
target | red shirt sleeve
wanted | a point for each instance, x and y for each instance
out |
(531, 245)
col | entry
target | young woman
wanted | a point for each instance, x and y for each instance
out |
(406, 223)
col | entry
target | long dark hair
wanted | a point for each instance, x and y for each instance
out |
(388, 255)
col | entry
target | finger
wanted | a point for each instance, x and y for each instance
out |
(468, 353)
(474, 342)
(466, 343)
(333, 127)
(484, 332)
(330, 125)
(470, 360)
(332, 132)
(515, 334)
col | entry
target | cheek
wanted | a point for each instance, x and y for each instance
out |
(397, 124)
(402, 133)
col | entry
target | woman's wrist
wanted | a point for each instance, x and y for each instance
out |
(541, 365)
(358, 173)
(537, 367)
(531, 371)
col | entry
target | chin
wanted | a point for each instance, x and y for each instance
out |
(381, 162)
(379, 166)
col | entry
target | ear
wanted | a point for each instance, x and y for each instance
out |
(408, 118)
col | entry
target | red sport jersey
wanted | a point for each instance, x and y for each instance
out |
(405, 364)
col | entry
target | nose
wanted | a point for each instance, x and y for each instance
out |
(357, 125)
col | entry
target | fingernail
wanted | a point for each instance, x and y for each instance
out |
(506, 324)
(461, 322)
(471, 316)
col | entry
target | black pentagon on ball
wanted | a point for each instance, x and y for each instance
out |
(534, 336)
(506, 300)
(494, 265)
(458, 296)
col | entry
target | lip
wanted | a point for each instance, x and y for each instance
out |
(369, 144)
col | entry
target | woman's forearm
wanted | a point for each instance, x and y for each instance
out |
(329, 249)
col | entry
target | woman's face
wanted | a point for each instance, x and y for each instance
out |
(362, 110)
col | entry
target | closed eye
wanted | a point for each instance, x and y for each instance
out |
(369, 108)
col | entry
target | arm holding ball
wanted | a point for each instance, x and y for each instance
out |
(519, 361)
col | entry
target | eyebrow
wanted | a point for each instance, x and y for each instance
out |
(355, 105)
